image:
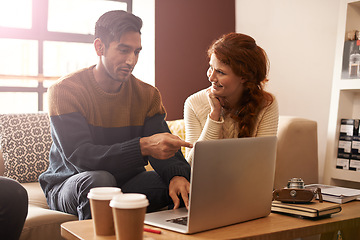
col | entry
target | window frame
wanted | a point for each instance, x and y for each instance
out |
(39, 32)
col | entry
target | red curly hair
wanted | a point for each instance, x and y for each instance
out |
(250, 62)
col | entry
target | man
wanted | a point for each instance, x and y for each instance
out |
(13, 208)
(107, 125)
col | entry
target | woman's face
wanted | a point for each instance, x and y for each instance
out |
(224, 83)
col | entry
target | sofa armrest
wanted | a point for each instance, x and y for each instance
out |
(297, 151)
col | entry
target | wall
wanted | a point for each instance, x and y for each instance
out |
(184, 29)
(145, 68)
(299, 37)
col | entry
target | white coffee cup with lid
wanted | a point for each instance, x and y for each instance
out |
(101, 212)
(129, 214)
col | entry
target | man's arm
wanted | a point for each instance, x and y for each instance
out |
(173, 166)
(162, 145)
(175, 170)
(74, 139)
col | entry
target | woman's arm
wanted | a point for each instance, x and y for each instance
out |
(268, 121)
(198, 125)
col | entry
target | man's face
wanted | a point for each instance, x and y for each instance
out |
(121, 57)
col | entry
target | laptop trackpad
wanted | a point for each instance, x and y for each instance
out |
(170, 219)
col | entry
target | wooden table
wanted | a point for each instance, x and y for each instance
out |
(274, 227)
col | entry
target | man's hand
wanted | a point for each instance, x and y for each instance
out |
(162, 145)
(179, 186)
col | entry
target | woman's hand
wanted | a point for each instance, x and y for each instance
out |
(215, 105)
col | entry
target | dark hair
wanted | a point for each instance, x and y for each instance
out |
(248, 61)
(111, 25)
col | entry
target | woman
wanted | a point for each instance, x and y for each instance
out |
(235, 105)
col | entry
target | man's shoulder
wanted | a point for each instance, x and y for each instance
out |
(72, 80)
(144, 90)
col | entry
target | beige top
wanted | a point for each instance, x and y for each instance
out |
(199, 126)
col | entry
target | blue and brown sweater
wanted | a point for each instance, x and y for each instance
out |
(95, 130)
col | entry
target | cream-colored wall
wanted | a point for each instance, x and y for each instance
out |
(145, 68)
(299, 37)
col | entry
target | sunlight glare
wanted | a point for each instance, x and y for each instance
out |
(11, 15)
(77, 20)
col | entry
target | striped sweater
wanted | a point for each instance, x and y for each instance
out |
(95, 130)
(199, 126)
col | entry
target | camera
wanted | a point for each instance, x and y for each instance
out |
(295, 192)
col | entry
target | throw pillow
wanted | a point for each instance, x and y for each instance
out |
(177, 127)
(25, 141)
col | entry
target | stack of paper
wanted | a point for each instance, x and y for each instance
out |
(336, 194)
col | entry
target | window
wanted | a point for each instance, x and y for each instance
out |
(43, 40)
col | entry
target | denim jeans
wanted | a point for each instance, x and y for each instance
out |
(71, 195)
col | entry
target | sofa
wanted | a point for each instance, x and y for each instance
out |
(24, 149)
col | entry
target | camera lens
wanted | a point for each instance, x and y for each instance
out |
(295, 183)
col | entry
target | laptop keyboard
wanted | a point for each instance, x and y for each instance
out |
(180, 220)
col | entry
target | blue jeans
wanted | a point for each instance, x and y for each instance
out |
(71, 195)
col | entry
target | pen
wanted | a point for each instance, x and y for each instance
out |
(152, 230)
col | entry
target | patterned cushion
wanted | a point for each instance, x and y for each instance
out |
(25, 141)
(177, 127)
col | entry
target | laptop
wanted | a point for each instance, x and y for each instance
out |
(231, 182)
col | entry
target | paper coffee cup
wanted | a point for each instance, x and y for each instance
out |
(129, 214)
(101, 212)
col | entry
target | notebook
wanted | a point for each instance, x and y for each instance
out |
(231, 182)
(313, 209)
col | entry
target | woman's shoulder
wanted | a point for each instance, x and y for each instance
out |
(273, 106)
(269, 99)
(197, 98)
(274, 102)
(198, 102)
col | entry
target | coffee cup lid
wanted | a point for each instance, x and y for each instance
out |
(103, 193)
(129, 201)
